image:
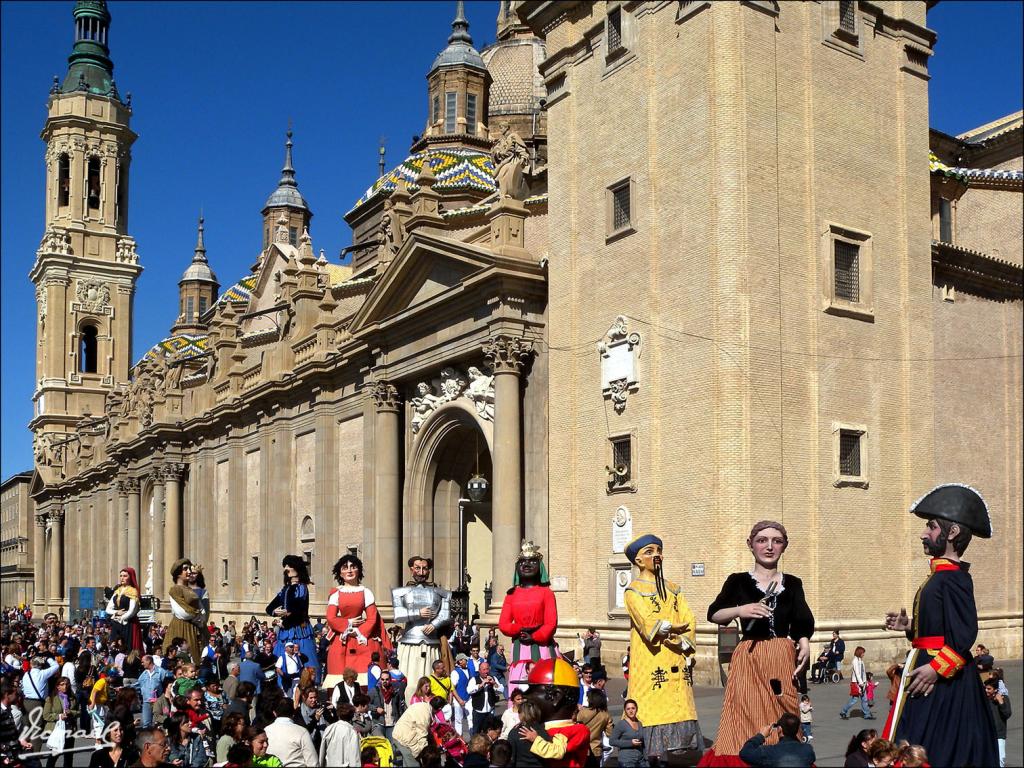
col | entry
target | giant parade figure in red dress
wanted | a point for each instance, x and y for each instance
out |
(529, 616)
(356, 628)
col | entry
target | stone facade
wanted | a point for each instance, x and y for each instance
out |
(658, 323)
(17, 546)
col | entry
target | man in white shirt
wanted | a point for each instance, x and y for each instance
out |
(288, 740)
(340, 744)
(34, 689)
(483, 695)
(289, 668)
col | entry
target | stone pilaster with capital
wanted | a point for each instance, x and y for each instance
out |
(508, 354)
(55, 515)
(171, 470)
(385, 396)
(128, 486)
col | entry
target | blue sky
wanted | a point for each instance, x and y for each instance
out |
(214, 86)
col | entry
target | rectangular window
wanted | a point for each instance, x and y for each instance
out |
(435, 110)
(847, 271)
(620, 207)
(93, 183)
(224, 570)
(471, 114)
(622, 458)
(189, 308)
(255, 569)
(266, 236)
(63, 181)
(449, 112)
(202, 305)
(293, 236)
(614, 28)
(945, 221)
(848, 16)
(849, 453)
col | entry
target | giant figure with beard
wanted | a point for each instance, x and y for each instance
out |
(941, 703)
(662, 644)
(529, 615)
(424, 610)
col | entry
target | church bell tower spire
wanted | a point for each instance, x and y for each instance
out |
(86, 266)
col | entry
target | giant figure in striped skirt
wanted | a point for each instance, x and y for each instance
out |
(777, 625)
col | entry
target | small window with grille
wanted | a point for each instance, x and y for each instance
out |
(471, 114)
(614, 30)
(223, 571)
(202, 305)
(293, 236)
(190, 304)
(849, 453)
(435, 109)
(847, 271)
(848, 16)
(849, 444)
(449, 112)
(620, 468)
(620, 207)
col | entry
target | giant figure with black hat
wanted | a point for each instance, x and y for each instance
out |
(662, 644)
(941, 703)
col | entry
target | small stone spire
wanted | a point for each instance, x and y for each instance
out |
(288, 172)
(460, 26)
(200, 253)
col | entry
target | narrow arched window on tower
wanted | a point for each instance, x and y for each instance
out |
(63, 180)
(93, 183)
(87, 350)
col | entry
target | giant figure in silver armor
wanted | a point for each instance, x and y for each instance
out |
(423, 608)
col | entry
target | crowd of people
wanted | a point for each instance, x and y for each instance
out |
(347, 690)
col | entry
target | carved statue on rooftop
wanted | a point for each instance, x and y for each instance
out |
(511, 163)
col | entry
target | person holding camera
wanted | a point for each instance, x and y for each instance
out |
(788, 751)
(484, 694)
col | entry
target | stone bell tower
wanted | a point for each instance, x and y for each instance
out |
(86, 266)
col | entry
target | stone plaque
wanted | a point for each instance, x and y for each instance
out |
(559, 583)
(622, 529)
(621, 582)
(696, 569)
(617, 365)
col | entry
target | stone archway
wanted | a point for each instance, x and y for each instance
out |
(449, 448)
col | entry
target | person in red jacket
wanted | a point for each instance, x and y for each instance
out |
(529, 616)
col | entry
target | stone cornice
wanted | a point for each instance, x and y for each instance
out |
(975, 270)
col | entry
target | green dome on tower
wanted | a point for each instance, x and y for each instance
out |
(89, 66)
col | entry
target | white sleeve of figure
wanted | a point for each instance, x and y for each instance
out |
(110, 606)
(401, 613)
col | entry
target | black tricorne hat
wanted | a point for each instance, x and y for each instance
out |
(957, 503)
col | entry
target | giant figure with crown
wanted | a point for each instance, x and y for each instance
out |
(529, 616)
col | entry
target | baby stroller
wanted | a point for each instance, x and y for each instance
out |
(448, 739)
(385, 752)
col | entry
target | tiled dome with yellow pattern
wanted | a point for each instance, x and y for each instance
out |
(454, 168)
(181, 346)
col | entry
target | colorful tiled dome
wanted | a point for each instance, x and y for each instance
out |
(180, 347)
(240, 291)
(454, 168)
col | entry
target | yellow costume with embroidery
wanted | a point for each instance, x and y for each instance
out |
(660, 679)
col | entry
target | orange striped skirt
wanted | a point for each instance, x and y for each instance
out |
(750, 704)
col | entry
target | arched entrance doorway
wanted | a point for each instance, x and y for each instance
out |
(441, 521)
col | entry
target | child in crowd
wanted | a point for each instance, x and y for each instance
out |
(806, 718)
(362, 722)
(187, 680)
(869, 688)
(529, 723)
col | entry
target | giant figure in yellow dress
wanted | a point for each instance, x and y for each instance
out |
(662, 643)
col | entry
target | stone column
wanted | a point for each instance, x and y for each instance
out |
(387, 436)
(507, 355)
(134, 518)
(156, 539)
(56, 518)
(121, 525)
(39, 560)
(172, 520)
